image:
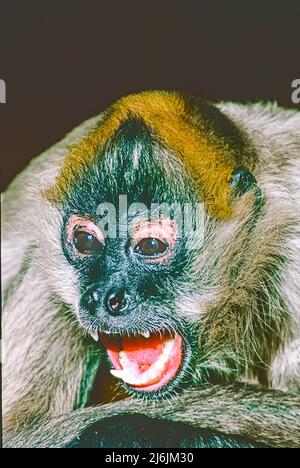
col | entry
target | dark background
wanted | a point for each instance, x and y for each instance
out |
(65, 61)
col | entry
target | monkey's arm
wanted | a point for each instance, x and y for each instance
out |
(267, 417)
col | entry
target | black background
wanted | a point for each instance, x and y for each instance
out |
(65, 61)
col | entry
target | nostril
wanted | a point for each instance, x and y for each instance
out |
(117, 302)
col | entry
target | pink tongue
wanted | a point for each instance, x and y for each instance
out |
(144, 350)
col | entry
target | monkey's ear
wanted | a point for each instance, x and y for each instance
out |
(242, 181)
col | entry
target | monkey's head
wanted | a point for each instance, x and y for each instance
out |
(158, 205)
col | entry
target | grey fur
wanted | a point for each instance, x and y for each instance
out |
(41, 291)
(267, 417)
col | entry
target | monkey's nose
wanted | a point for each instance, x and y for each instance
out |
(117, 302)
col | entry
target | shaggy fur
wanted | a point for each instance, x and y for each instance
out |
(237, 409)
(246, 311)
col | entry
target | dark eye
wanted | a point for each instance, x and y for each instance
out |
(151, 247)
(85, 242)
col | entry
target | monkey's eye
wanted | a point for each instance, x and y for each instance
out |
(151, 247)
(86, 243)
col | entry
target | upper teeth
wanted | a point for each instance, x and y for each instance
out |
(131, 374)
(94, 334)
(146, 334)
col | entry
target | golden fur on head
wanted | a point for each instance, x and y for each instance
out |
(178, 127)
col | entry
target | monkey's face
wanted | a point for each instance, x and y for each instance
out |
(124, 236)
(128, 293)
(158, 271)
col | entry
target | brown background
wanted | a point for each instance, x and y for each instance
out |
(65, 61)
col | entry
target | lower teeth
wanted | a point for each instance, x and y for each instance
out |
(131, 374)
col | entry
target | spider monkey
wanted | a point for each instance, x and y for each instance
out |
(151, 269)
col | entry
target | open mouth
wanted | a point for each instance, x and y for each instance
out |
(145, 362)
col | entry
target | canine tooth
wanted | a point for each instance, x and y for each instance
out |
(127, 376)
(94, 334)
(117, 373)
(146, 334)
(107, 332)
